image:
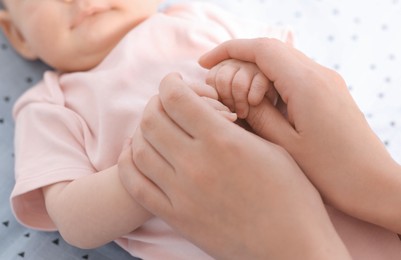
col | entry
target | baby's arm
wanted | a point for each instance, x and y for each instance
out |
(240, 85)
(96, 209)
(93, 210)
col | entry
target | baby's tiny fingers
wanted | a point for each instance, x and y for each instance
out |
(259, 87)
(224, 78)
(240, 88)
(211, 76)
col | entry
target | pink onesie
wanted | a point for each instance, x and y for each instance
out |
(74, 124)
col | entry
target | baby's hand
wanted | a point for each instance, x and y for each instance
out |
(210, 95)
(240, 85)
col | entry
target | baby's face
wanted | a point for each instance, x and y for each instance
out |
(74, 35)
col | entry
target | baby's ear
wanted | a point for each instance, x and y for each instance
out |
(15, 37)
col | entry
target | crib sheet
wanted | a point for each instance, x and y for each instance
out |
(360, 39)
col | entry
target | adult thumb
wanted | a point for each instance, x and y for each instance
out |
(270, 124)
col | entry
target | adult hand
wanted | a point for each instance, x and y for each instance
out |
(227, 190)
(322, 128)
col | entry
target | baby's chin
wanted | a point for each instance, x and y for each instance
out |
(90, 54)
(76, 65)
(83, 61)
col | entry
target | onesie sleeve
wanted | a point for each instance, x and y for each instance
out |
(49, 148)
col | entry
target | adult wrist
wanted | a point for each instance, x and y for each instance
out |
(379, 200)
(386, 211)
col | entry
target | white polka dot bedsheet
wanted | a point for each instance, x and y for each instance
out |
(359, 39)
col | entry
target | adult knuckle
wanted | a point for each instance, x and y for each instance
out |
(147, 123)
(150, 113)
(174, 97)
(267, 43)
(139, 193)
(138, 154)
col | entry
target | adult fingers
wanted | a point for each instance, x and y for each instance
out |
(127, 169)
(227, 50)
(188, 110)
(164, 135)
(144, 191)
(204, 90)
(221, 109)
(149, 162)
(269, 123)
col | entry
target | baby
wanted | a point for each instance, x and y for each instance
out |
(109, 57)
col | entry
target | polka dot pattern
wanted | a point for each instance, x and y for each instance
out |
(359, 39)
